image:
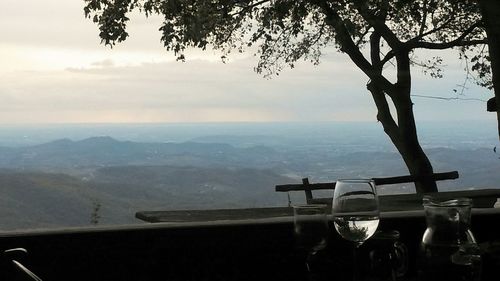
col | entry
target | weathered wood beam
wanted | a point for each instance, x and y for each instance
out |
(378, 181)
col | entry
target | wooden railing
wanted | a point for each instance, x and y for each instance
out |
(309, 187)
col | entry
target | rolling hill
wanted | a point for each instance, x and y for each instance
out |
(64, 182)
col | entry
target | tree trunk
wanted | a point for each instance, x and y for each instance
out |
(490, 10)
(404, 138)
(414, 156)
(402, 133)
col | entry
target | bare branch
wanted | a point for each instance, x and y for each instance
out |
(384, 113)
(424, 20)
(447, 45)
(378, 25)
(434, 30)
(390, 55)
(349, 47)
(250, 6)
(360, 40)
(375, 50)
(459, 41)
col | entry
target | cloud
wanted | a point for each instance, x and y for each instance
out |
(205, 90)
(104, 63)
(58, 72)
(197, 90)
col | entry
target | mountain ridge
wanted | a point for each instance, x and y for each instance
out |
(60, 183)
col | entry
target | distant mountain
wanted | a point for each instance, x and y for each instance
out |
(325, 162)
(61, 183)
(66, 155)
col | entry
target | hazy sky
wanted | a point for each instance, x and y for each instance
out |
(54, 70)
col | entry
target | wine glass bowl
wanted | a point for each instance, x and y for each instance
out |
(355, 212)
(355, 209)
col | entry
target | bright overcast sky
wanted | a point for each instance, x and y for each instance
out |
(54, 70)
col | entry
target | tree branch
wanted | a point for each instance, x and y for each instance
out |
(349, 47)
(375, 51)
(378, 25)
(436, 29)
(459, 41)
(447, 45)
(249, 6)
(362, 36)
(384, 113)
(390, 55)
(424, 20)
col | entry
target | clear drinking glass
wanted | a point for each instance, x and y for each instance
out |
(355, 211)
(310, 228)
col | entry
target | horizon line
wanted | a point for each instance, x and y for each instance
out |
(227, 122)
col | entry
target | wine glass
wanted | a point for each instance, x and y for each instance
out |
(310, 229)
(355, 211)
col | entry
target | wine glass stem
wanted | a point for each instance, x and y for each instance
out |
(355, 274)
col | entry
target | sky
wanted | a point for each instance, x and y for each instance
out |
(53, 69)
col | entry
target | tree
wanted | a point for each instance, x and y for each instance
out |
(375, 34)
(490, 10)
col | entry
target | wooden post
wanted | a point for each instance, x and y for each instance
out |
(307, 189)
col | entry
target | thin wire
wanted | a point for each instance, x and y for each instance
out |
(448, 98)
